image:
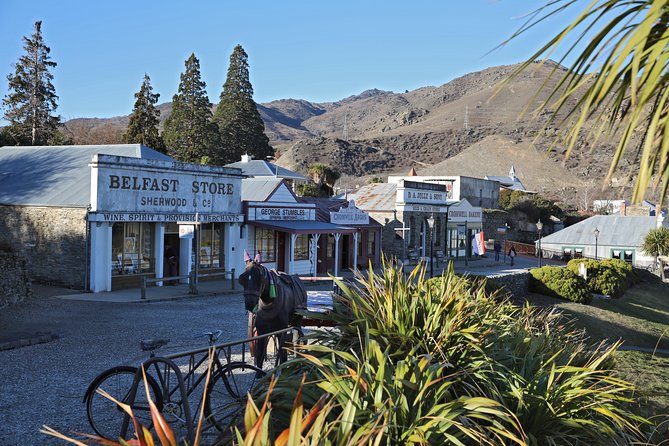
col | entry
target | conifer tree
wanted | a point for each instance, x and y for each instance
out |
(189, 133)
(241, 127)
(32, 99)
(145, 119)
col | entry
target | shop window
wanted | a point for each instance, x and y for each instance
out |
(371, 244)
(265, 242)
(623, 254)
(132, 248)
(571, 252)
(436, 235)
(302, 247)
(212, 251)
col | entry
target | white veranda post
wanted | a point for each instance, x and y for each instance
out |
(356, 236)
(313, 253)
(336, 263)
(291, 254)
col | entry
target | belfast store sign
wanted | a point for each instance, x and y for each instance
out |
(133, 186)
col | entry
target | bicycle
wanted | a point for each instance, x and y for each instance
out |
(230, 381)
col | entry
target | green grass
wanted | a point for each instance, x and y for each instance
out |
(641, 319)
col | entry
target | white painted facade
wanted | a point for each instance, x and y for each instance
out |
(156, 194)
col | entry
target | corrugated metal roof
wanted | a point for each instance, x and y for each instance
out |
(508, 182)
(56, 175)
(375, 197)
(261, 168)
(614, 230)
(258, 189)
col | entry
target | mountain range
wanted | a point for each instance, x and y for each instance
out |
(468, 126)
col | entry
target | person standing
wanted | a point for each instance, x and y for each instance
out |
(498, 249)
(512, 254)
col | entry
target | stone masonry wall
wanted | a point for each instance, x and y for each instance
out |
(516, 285)
(51, 240)
(14, 280)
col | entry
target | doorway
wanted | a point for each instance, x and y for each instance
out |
(344, 263)
(280, 251)
(171, 245)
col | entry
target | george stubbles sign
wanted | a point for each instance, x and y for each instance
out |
(125, 186)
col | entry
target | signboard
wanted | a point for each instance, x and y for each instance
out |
(136, 185)
(278, 213)
(349, 216)
(501, 230)
(186, 231)
(165, 218)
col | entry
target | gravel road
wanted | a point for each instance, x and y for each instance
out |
(44, 384)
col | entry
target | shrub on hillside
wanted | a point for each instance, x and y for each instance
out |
(560, 282)
(611, 277)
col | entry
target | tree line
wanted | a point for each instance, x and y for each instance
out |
(191, 133)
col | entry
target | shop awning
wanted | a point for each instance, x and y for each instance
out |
(304, 227)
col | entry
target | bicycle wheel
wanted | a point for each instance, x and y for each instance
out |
(227, 392)
(105, 416)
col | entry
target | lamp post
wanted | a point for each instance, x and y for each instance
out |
(596, 232)
(430, 224)
(540, 226)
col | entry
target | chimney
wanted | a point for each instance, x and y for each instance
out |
(246, 158)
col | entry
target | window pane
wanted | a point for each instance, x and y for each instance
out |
(371, 244)
(302, 247)
(265, 243)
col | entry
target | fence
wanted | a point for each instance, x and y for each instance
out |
(192, 280)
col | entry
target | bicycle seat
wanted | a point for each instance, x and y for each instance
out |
(152, 344)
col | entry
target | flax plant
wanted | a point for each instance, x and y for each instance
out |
(617, 83)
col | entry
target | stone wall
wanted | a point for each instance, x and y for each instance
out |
(14, 280)
(51, 240)
(516, 284)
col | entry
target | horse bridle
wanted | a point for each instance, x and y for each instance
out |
(264, 286)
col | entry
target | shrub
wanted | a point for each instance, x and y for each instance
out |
(611, 277)
(560, 282)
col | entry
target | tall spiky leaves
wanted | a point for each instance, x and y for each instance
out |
(31, 101)
(242, 129)
(145, 118)
(618, 80)
(189, 133)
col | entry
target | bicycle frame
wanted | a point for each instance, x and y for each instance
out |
(187, 383)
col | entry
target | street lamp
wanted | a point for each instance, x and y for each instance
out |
(430, 224)
(596, 232)
(540, 226)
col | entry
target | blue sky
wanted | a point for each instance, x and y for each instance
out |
(315, 50)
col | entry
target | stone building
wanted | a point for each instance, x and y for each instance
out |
(422, 219)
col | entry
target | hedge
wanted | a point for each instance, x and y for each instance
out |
(611, 277)
(560, 282)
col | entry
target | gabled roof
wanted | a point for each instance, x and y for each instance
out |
(614, 230)
(508, 182)
(259, 189)
(375, 197)
(57, 175)
(262, 168)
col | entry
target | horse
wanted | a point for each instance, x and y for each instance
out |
(274, 297)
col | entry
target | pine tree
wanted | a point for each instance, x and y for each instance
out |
(189, 133)
(145, 119)
(242, 129)
(32, 97)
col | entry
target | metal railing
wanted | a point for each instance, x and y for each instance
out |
(192, 280)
